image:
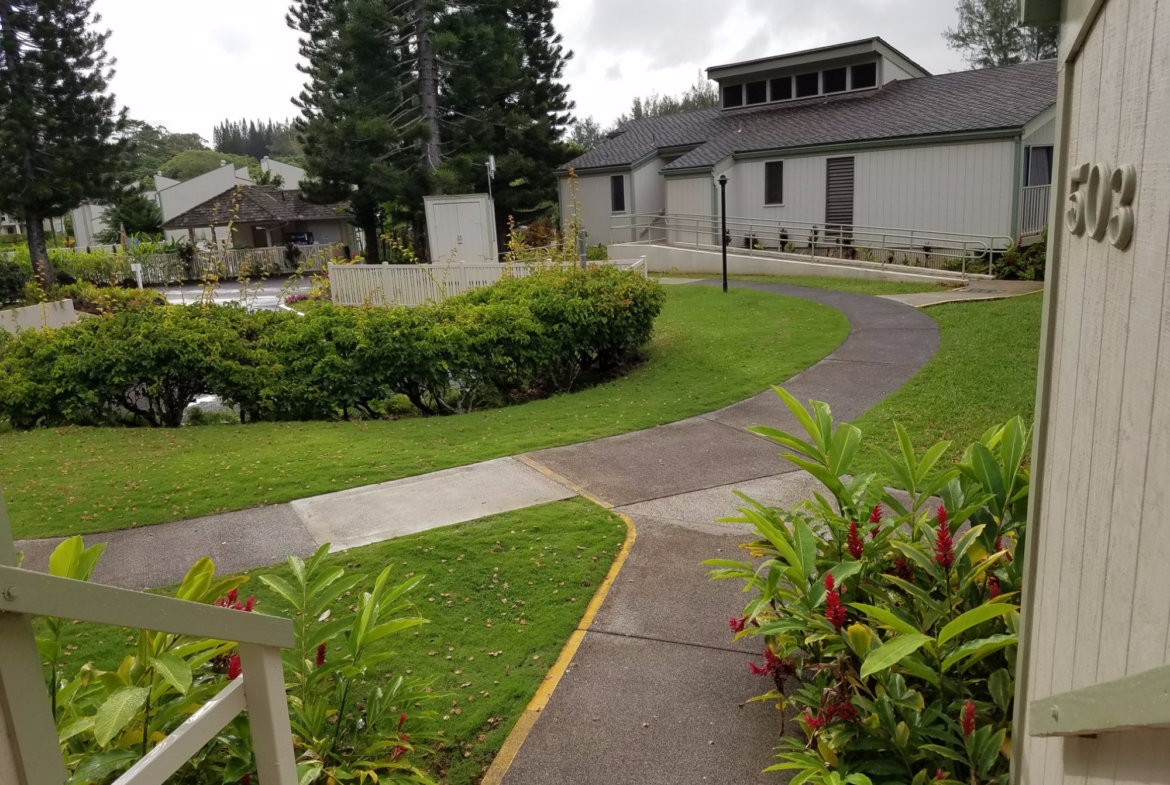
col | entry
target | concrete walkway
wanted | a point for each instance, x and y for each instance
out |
(973, 291)
(160, 555)
(656, 691)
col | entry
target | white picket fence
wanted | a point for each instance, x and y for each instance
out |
(418, 284)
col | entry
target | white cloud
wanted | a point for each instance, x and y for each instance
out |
(188, 64)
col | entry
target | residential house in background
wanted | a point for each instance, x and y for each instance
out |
(820, 142)
(175, 197)
(264, 216)
(8, 224)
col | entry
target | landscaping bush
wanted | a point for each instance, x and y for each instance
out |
(106, 299)
(1025, 263)
(13, 278)
(899, 624)
(344, 726)
(511, 341)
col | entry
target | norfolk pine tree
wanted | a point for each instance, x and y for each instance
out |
(60, 129)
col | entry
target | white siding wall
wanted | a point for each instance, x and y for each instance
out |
(960, 188)
(649, 188)
(180, 198)
(690, 196)
(892, 71)
(1045, 134)
(593, 197)
(1101, 605)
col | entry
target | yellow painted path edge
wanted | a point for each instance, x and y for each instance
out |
(512, 744)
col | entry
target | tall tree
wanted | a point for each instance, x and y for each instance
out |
(703, 94)
(151, 146)
(503, 96)
(59, 127)
(990, 34)
(586, 134)
(359, 118)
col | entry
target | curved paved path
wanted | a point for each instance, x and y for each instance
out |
(654, 692)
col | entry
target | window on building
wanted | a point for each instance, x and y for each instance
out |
(732, 95)
(757, 92)
(617, 193)
(864, 75)
(835, 80)
(782, 88)
(808, 84)
(1038, 165)
(774, 182)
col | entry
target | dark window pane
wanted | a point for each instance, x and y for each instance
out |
(782, 88)
(757, 92)
(834, 80)
(808, 84)
(733, 95)
(617, 193)
(1039, 166)
(864, 75)
(774, 182)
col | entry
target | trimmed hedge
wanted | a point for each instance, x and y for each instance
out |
(515, 340)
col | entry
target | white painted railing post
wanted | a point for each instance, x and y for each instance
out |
(263, 674)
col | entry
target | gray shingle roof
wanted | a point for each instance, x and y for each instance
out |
(990, 99)
(255, 204)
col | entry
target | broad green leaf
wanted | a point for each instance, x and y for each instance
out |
(890, 654)
(806, 547)
(74, 728)
(63, 560)
(979, 648)
(987, 471)
(1001, 687)
(826, 477)
(88, 560)
(846, 440)
(117, 712)
(97, 767)
(931, 457)
(174, 670)
(908, 457)
(887, 618)
(284, 589)
(973, 618)
(801, 414)
(787, 439)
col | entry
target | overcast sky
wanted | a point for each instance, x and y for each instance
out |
(187, 64)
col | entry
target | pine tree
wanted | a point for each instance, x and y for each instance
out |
(133, 211)
(503, 96)
(359, 123)
(59, 127)
(990, 34)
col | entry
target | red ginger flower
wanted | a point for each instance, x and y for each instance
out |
(773, 665)
(944, 546)
(250, 604)
(737, 625)
(968, 719)
(814, 723)
(232, 596)
(834, 610)
(903, 569)
(399, 751)
(940, 775)
(246, 779)
(942, 515)
(993, 586)
(875, 518)
(843, 712)
(234, 669)
(856, 547)
(321, 655)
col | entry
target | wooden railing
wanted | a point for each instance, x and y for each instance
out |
(417, 284)
(29, 751)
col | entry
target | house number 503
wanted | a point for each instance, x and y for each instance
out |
(1100, 202)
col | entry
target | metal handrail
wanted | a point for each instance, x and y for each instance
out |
(29, 750)
(950, 251)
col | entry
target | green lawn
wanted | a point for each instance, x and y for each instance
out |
(983, 375)
(710, 350)
(502, 594)
(857, 285)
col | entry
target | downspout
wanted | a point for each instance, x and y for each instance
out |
(1017, 187)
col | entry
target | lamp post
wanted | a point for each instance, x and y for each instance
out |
(723, 219)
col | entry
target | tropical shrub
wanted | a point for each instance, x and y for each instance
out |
(896, 622)
(13, 279)
(100, 300)
(344, 728)
(512, 341)
(1024, 263)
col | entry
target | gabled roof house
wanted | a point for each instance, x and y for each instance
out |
(850, 135)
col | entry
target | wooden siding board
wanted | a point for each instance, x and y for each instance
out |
(1135, 376)
(1099, 373)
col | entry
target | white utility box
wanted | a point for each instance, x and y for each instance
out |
(461, 228)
